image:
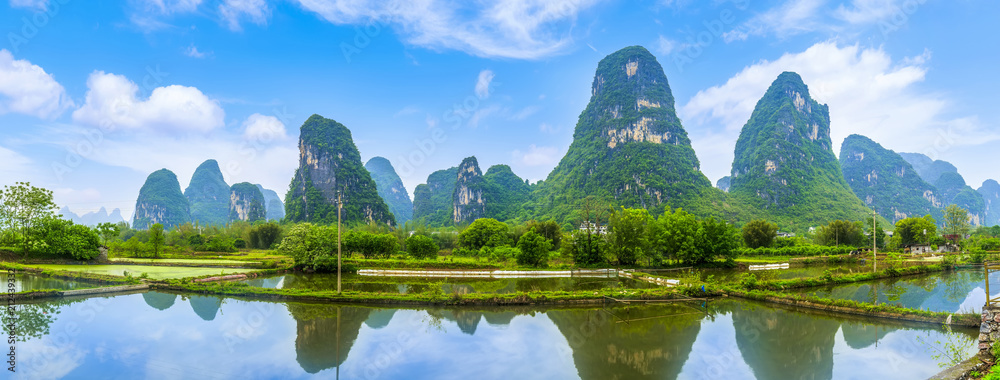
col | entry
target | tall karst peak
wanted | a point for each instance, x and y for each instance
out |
(629, 147)
(469, 187)
(161, 201)
(390, 188)
(784, 160)
(885, 181)
(330, 166)
(208, 195)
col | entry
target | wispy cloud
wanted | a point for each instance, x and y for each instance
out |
(193, 52)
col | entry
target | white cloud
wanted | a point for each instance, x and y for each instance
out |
(868, 11)
(867, 92)
(112, 102)
(664, 46)
(521, 29)
(263, 128)
(166, 7)
(790, 18)
(193, 52)
(537, 156)
(30, 4)
(803, 16)
(26, 88)
(483, 84)
(525, 112)
(232, 11)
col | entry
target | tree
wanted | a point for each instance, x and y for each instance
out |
(716, 238)
(62, 238)
(263, 236)
(956, 222)
(678, 232)
(23, 207)
(913, 231)
(841, 232)
(759, 233)
(307, 243)
(628, 236)
(484, 232)
(108, 232)
(156, 238)
(370, 245)
(421, 247)
(548, 229)
(534, 250)
(879, 235)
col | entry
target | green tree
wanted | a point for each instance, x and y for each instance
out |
(585, 247)
(307, 243)
(628, 236)
(421, 247)
(915, 231)
(484, 232)
(759, 233)
(62, 238)
(370, 245)
(956, 222)
(716, 238)
(108, 232)
(22, 208)
(534, 250)
(263, 236)
(156, 238)
(678, 234)
(841, 232)
(879, 235)
(548, 229)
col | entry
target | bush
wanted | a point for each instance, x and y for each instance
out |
(500, 254)
(369, 245)
(759, 233)
(239, 243)
(310, 245)
(484, 232)
(534, 250)
(464, 252)
(264, 236)
(62, 238)
(421, 247)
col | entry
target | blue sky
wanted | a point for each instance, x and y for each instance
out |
(96, 95)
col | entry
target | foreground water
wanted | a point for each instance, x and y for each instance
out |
(953, 291)
(458, 285)
(24, 282)
(182, 336)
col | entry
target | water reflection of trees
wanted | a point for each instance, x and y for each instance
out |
(653, 343)
(325, 333)
(779, 344)
(32, 321)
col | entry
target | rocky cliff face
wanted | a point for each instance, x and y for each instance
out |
(468, 202)
(161, 201)
(329, 163)
(390, 188)
(629, 147)
(433, 201)
(990, 191)
(784, 162)
(272, 204)
(885, 181)
(246, 203)
(724, 183)
(208, 195)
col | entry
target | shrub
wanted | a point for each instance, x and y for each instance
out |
(534, 250)
(421, 247)
(759, 233)
(482, 233)
(369, 245)
(500, 254)
(239, 243)
(264, 236)
(62, 238)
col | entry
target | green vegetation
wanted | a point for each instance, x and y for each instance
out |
(505, 193)
(953, 190)
(391, 189)
(136, 271)
(912, 231)
(311, 246)
(484, 232)
(161, 201)
(264, 236)
(956, 221)
(247, 203)
(887, 181)
(421, 247)
(23, 208)
(467, 201)
(335, 168)
(369, 245)
(759, 233)
(533, 250)
(842, 232)
(929, 170)
(990, 191)
(785, 164)
(208, 195)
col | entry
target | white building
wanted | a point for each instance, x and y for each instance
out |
(593, 227)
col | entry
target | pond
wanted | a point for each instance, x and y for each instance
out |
(154, 272)
(793, 272)
(455, 285)
(161, 335)
(28, 282)
(952, 291)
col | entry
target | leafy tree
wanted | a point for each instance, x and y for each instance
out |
(584, 247)
(263, 236)
(716, 238)
(307, 242)
(548, 229)
(677, 235)
(915, 230)
(841, 232)
(484, 232)
(759, 233)
(956, 221)
(628, 236)
(156, 238)
(370, 245)
(421, 247)
(108, 232)
(534, 250)
(62, 238)
(23, 207)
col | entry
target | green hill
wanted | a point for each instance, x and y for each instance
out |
(161, 201)
(391, 188)
(885, 181)
(208, 195)
(433, 201)
(246, 203)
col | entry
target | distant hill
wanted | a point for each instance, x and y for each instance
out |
(275, 208)
(208, 195)
(885, 181)
(928, 169)
(161, 201)
(93, 218)
(391, 189)
(246, 203)
(990, 191)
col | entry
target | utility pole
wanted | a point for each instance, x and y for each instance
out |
(874, 244)
(340, 206)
